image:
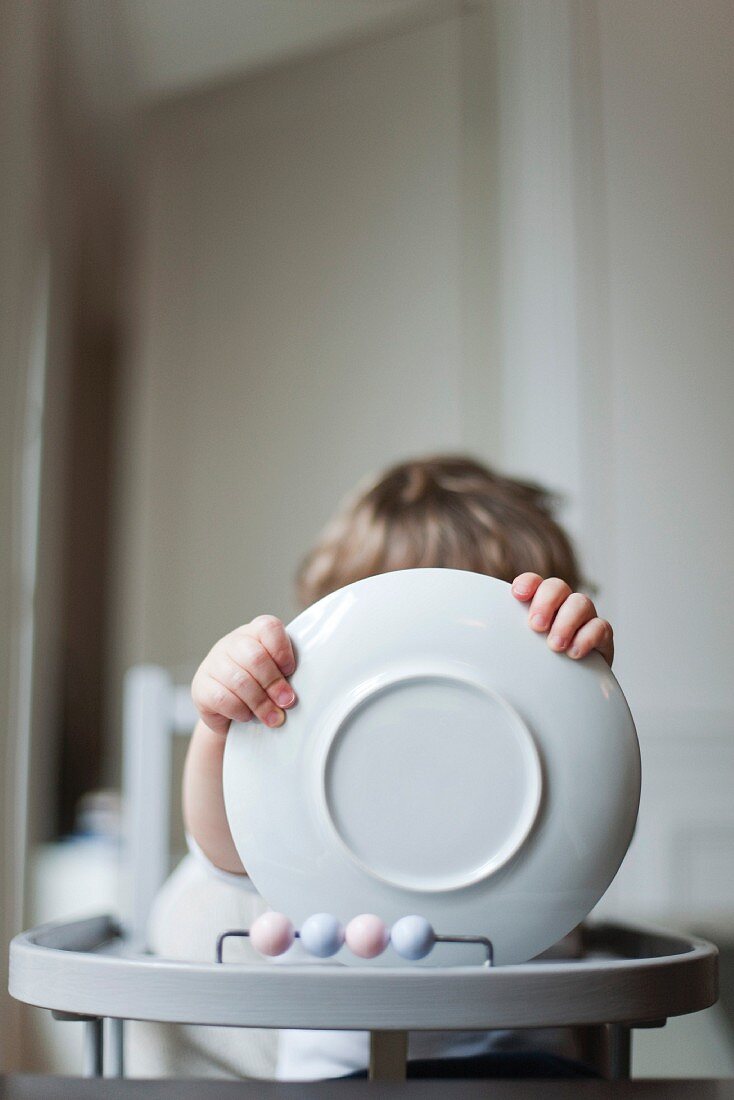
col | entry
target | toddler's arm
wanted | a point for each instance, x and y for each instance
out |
(569, 618)
(244, 674)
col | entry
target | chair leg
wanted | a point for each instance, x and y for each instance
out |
(93, 1054)
(620, 1052)
(388, 1055)
(115, 1048)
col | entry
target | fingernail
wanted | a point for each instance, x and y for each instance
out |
(519, 590)
(573, 651)
(538, 620)
(557, 642)
(274, 718)
(285, 697)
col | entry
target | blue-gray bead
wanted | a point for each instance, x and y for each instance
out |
(412, 937)
(322, 935)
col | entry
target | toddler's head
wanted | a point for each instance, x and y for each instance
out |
(447, 512)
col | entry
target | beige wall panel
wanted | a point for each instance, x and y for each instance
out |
(300, 325)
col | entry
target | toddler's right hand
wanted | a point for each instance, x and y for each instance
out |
(244, 674)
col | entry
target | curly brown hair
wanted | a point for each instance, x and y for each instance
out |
(442, 511)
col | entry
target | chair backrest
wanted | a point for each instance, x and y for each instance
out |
(155, 710)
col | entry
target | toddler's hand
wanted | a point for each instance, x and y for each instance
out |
(245, 675)
(569, 618)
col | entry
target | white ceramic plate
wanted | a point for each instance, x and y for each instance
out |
(440, 760)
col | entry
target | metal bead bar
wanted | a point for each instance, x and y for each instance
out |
(483, 940)
(489, 946)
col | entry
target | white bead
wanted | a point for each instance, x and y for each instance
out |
(412, 937)
(322, 935)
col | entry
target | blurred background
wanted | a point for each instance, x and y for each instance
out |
(253, 249)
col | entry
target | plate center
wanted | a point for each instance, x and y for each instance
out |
(431, 782)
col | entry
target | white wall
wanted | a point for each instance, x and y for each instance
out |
(300, 294)
(617, 280)
(668, 84)
(512, 232)
(668, 90)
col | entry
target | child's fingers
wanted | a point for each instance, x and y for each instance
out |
(576, 610)
(596, 634)
(242, 682)
(548, 597)
(525, 586)
(250, 656)
(218, 704)
(270, 631)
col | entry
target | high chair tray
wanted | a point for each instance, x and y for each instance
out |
(628, 975)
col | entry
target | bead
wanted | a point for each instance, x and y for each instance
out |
(322, 935)
(412, 937)
(367, 936)
(272, 934)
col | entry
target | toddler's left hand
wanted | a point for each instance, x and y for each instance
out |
(569, 618)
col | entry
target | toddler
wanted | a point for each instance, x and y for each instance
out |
(447, 512)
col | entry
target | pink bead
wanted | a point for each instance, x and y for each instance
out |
(367, 936)
(272, 934)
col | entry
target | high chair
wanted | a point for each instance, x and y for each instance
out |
(98, 968)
